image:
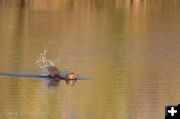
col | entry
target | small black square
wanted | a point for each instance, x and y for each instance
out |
(172, 111)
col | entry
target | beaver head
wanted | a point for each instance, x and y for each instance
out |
(70, 79)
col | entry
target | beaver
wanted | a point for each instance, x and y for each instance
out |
(54, 72)
(70, 79)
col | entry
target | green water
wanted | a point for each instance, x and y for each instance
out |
(129, 47)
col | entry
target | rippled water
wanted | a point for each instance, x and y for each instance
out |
(130, 48)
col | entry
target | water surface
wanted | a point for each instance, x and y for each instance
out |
(130, 48)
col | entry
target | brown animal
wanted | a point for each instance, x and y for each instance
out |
(54, 72)
(70, 79)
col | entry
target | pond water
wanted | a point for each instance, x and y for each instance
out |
(129, 48)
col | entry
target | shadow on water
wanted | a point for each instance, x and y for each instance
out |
(22, 75)
(50, 82)
(38, 76)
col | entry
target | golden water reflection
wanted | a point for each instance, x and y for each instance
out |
(129, 47)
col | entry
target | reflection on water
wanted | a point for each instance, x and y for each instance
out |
(131, 47)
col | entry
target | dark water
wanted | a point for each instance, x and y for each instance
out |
(130, 48)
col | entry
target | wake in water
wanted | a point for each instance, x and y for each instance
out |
(42, 62)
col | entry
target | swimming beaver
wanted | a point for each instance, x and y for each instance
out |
(70, 79)
(54, 73)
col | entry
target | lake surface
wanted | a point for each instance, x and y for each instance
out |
(130, 49)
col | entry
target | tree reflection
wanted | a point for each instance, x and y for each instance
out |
(82, 4)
